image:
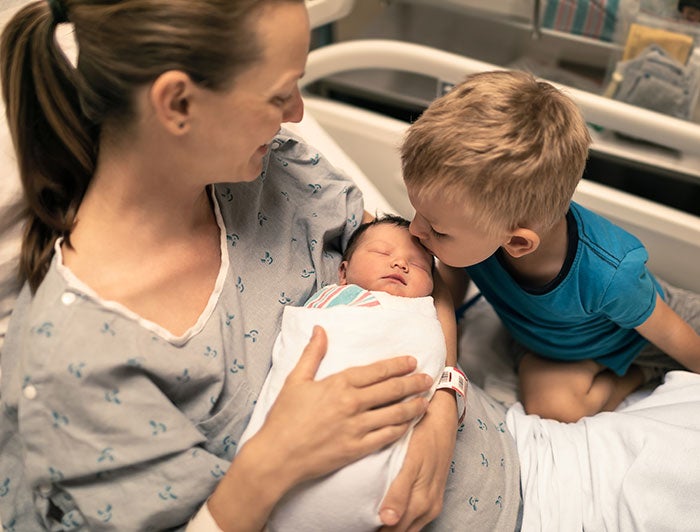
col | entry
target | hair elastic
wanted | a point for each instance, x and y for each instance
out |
(58, 11)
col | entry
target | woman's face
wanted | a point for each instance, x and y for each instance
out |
(239, 124)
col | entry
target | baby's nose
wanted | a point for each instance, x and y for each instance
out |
(398, 262)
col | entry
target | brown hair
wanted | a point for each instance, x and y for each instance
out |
(57, 113)
(385, 219)
(512, 146)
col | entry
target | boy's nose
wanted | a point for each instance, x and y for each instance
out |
(416, 230)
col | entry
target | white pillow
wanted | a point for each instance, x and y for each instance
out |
(11, 198)
(10, 205)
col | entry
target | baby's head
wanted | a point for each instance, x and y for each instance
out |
(382, 255)
(500, 151)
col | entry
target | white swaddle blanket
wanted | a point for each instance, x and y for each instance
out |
(634, 469)
(349, 499)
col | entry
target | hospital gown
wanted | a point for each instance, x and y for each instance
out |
(109, 421)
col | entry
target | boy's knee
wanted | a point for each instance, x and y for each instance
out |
(556, 405)
(556, 390)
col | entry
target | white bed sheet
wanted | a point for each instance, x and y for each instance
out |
(633, 469)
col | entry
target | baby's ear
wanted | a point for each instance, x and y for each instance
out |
(342, 273)
(522, 242)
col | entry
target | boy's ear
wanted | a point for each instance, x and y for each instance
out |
(170, 96)
(342, 273)
(522, 241)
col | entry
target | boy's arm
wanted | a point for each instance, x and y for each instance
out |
(673, 335)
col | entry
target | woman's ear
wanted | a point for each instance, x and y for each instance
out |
(522, 241)
(343, 273)
(170, 96)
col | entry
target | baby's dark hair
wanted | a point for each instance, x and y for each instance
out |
(354, 241)
(385, 219)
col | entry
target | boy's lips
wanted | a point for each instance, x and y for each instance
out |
(422, 243)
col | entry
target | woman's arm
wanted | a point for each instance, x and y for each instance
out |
(456, 280)
(445, 309)
(316, 427)
(415, 497)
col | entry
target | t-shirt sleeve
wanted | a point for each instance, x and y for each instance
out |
(630, 297)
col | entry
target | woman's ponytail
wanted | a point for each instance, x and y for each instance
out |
(56, 145)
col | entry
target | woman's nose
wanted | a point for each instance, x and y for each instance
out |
(294, 111)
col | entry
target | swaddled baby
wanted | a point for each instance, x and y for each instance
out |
(380, 308)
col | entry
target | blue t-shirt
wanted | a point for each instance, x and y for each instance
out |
(590, 310)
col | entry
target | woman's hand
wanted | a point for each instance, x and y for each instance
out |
(329, 423)
(415, 497)
(316, 427)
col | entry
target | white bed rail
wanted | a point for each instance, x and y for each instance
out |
(372, 141)
(636, 122)
(324, 11)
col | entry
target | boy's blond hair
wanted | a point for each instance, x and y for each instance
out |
(512, 146)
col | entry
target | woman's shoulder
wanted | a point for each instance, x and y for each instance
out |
(290, 154)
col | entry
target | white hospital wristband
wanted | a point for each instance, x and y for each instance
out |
(452, 378)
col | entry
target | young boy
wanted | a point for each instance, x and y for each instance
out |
(381, 306)
(491, 168)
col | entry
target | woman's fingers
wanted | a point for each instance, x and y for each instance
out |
(338, 419)
(394, 414)
(362, 376)
(384, 382)
(311, 358)
(394, 390)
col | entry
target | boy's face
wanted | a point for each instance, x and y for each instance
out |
(390, 260)
(449, 233)
(691, 13)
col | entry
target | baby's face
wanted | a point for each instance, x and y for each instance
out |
(449, 232)
(390, 260)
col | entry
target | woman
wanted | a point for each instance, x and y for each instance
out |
(144, 332)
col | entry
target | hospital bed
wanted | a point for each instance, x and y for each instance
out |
(371, 140)
(365, 145)
(562, 463)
